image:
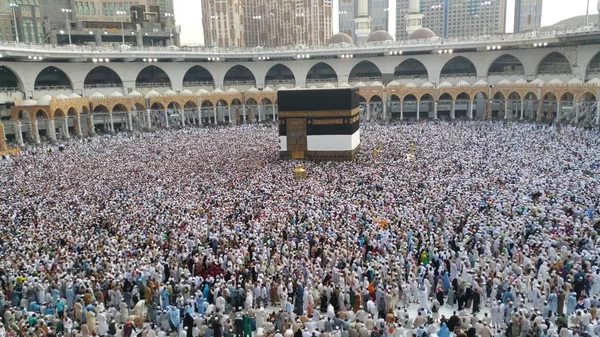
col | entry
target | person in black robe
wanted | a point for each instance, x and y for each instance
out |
(217, 328)
(324, 302)
(453, 322)
(476, 300)
(188, 323)
(334, 300)
(299, 303)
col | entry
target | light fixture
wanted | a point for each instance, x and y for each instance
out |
(488, 47)
(493, 47)
(132, 33)
(94, 60)
(62, 31)
(535, 44)
(1, 56)
(499, 47)
(106, 60)
(545, 44)
(105, 33)
(91, 33)
(29, 57)
(40, 58)
(217, 59)
(440, 51)
(343, 56)
(450, 51)
(155, 60)
(144, 60)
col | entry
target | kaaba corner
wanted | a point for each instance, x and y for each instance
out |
(319, 124)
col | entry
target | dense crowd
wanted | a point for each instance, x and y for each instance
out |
(488, 230)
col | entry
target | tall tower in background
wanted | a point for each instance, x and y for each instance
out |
(454, 18)
(414, 19)
(223, 23)
(266, 23)
(528, 15)
(362, 21)
(348, 10)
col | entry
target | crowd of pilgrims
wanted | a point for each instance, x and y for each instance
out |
(488, 230)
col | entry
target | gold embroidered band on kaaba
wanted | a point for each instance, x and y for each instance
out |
(317, 114)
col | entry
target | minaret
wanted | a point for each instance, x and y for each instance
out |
(362, 22)
(414, 19)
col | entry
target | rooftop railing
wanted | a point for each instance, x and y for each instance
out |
(496, 38)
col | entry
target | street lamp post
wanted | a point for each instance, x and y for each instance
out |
(214, 30)
(257, 17)
(301, 27)
(67, 11)
(170, 15)
(121, 14)
(14, 6)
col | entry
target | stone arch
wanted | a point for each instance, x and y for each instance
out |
(321, 72)
(198, 76)
(549, 97)
(174, 105)
(85, 110)
(361, 98)
(190, 104)
(410, 98)
(251, 101)
(239, 74)
(463, 96)
(411, 68)
(119, 107)
(506, 64)
(9, 79)
(394, 98)
(279, 74)
(102, 76)
(458, 66)
(72, 112)
(554, 63)
(587, 97)
(157, 106)
(52, 78)
(477, 95)
(364, 71)
(42, 113)
(206, 103)
(446, 97)
(426, 97)
(222, 102)
(530, 95)
(59, 113)
(375, 99)
(152, 76)
(593, 68)
(513, 95)
(100, 108)
(138, 107)
(498, 96)
(266, 101)
(567, 96)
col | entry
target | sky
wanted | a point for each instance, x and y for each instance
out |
(188, 14)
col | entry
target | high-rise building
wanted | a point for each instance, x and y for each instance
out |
(455, 18)
(528, 15)
(348, 11)
(272, 23)
(223, 23)
(266, 23)
(23, 18)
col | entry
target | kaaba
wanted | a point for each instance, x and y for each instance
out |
(319, 124)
